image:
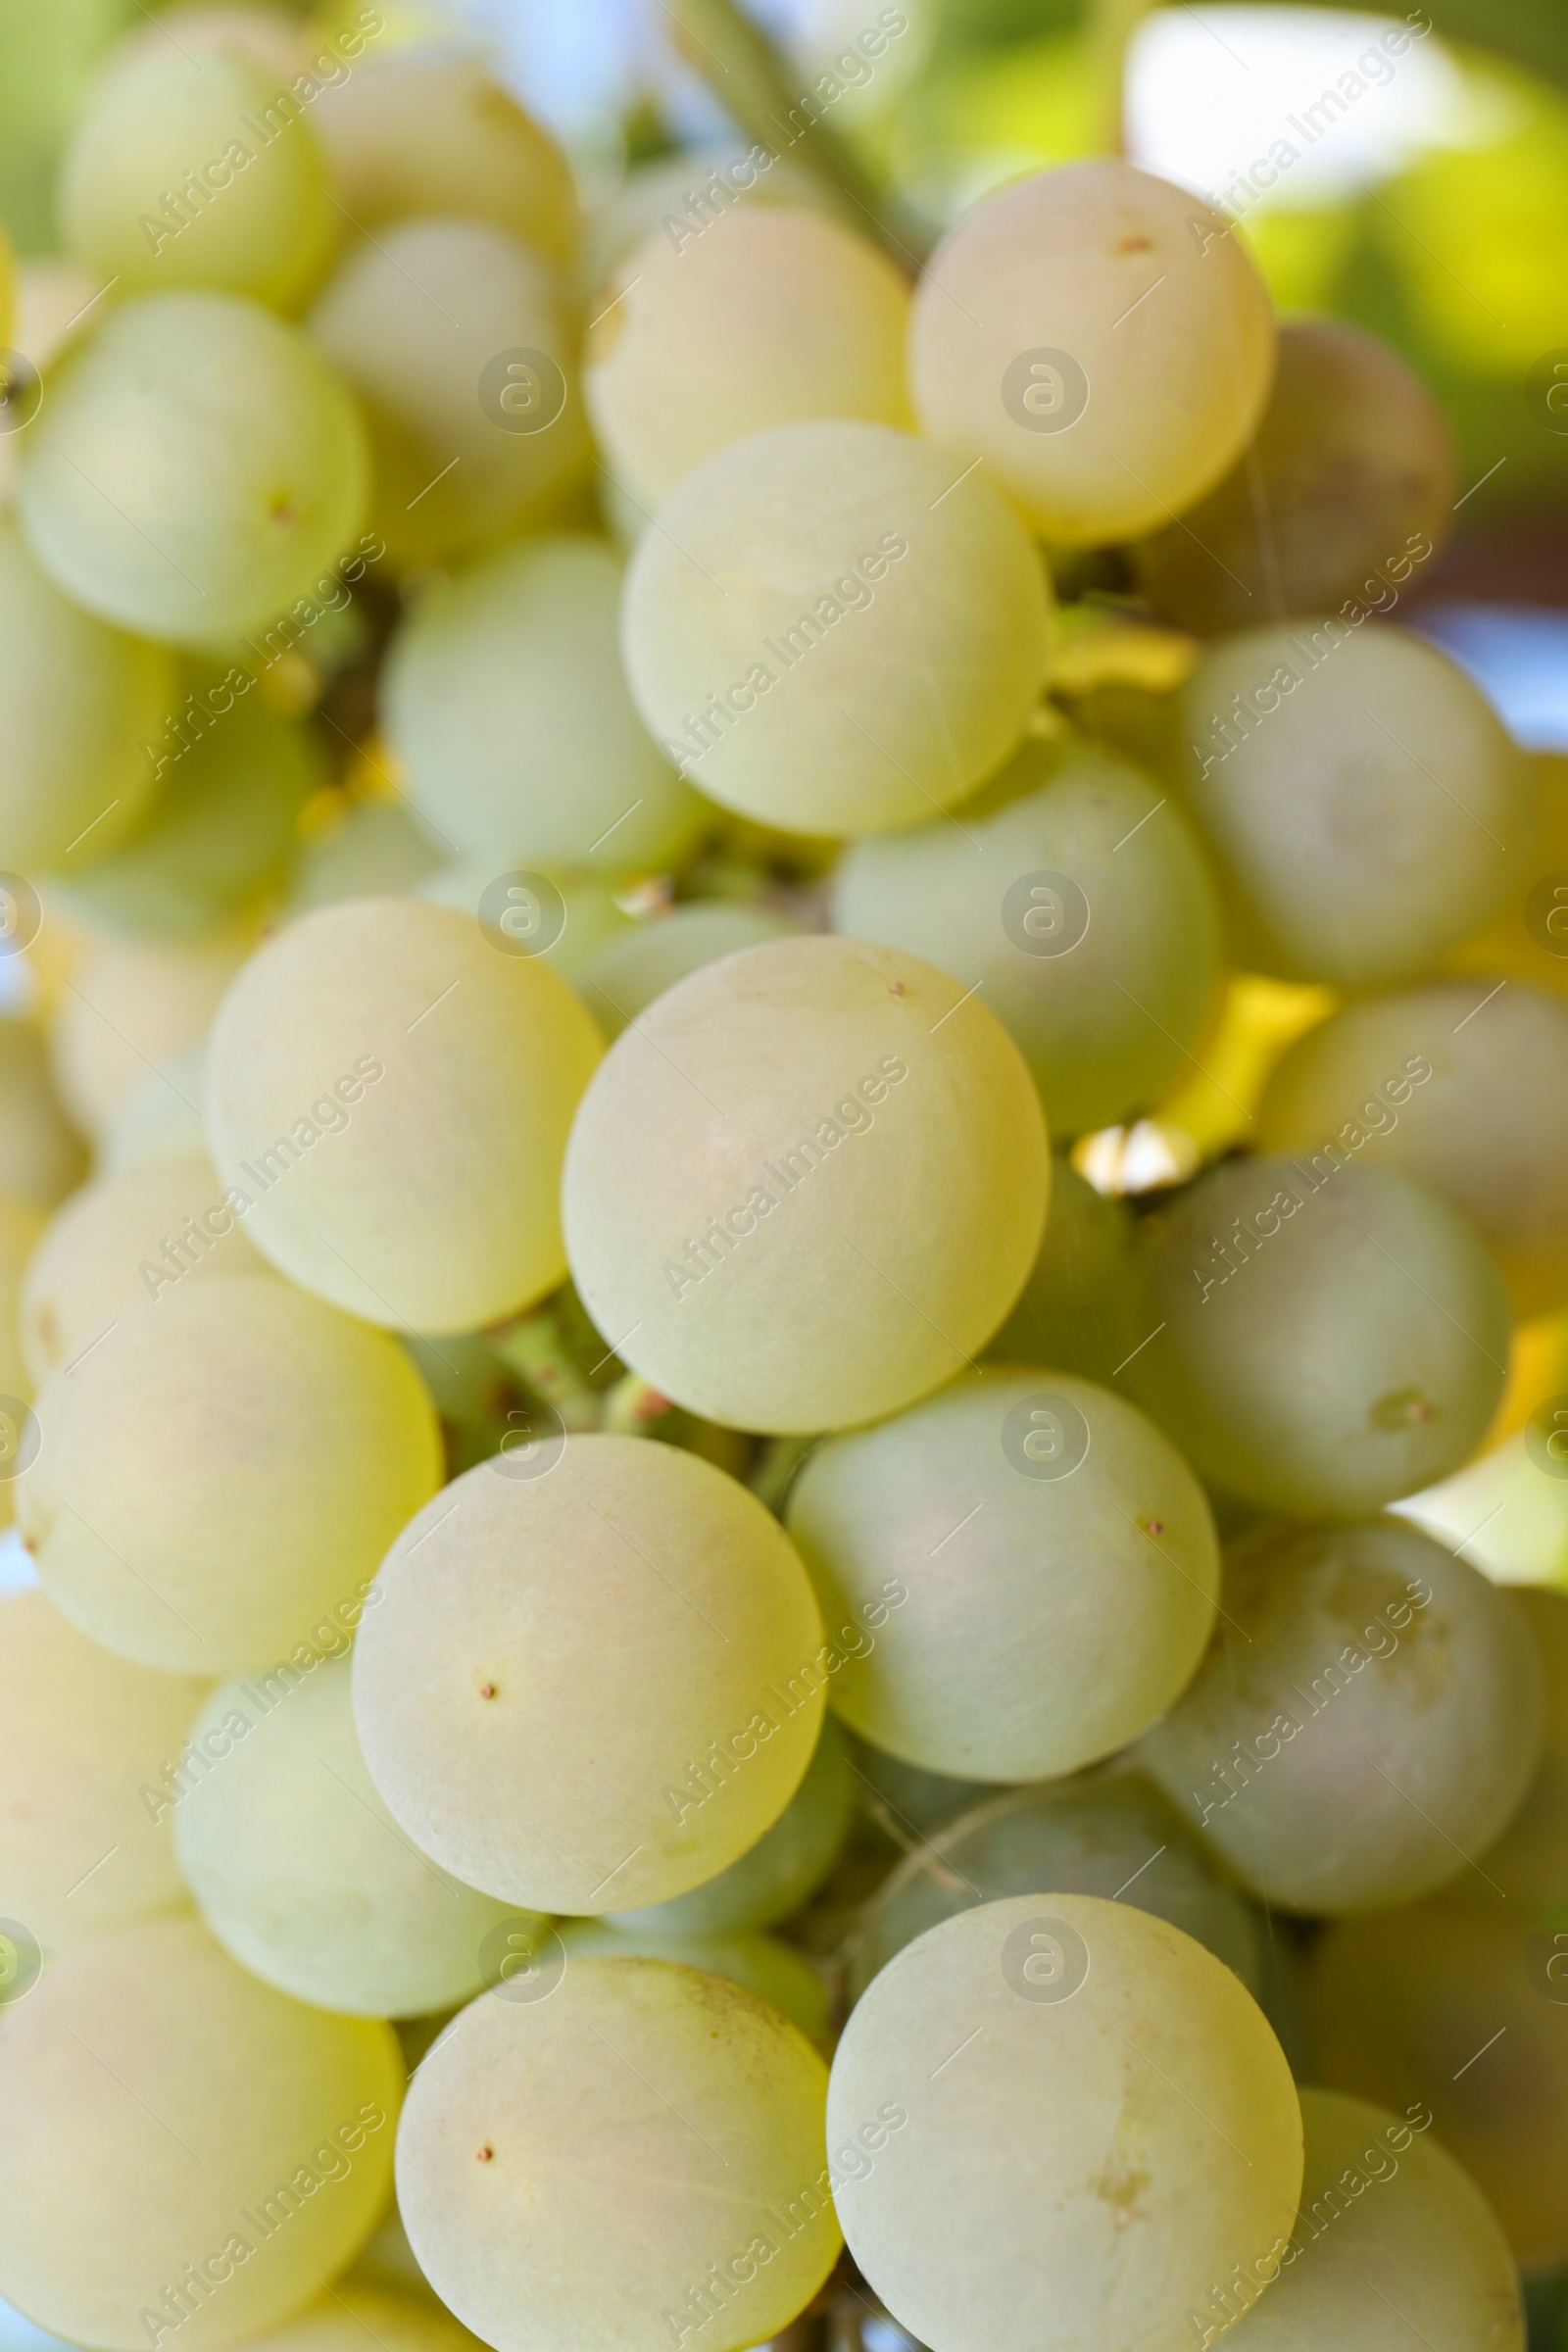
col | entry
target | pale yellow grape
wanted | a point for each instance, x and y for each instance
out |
(797, 1091)
(429, 1202)
(1395, 2239)
(834, 628)
(353, 2310)
(272, 41)
(1462, 1088)
(1364, 1677)
(1073, 295)
(588, 916)
(1021, 1622)
(1530, 1860)
(571, 2171)
(192, 169)
(592, 1676)
(301, 1871)
(775, 1971)
(1093, 2120)
(222, 1473)
(413, 320)
(504, 702)
(376, 853)
(86, 1742)
(77, 700)
(678, 192)
(778, 314)
(42, 1156)
(136, 1007)
(195, 466)
(162, 1119)
(184, 2101)
(1079, 1307)
(621, 979)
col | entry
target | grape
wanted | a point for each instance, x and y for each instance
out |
(1084, 909)
(428, 133)
(724, 1102)
(1321, 1337)
(1034, 1565)
(532, 1756)
(377, 853)
(621, 979)
(906, 594)
(783, 315)
(1466, 1093)
(76, 701)
(1046, 318)
(773, 1972)
(504, 702)
(1349, 477)
(349, 2312)
(190, 170)
(1363, 1677)
(268, 39)
(582, 909)
(194, 468)
(1359, 794)
(1530, 1860)
(162, 1118)
(775, 1876)
(683, 2123)
(302, 1874)
(224, 1469)
(1079, 1307)
(1527, 938)
(1102, 1836)
(21, 1224)
(135, 1007)
(657, 194)
(41, 1157)
(1063, 2104)
(432, 1206)
(216, 2134)
(413, 319)
(124, 1239)
(82, 1734)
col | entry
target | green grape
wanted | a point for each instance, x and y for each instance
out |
(42, 1156)
(266, 38)
(82, 1734)
(762, 1964)
(1084, 909)
(413, 319)
(1034, 1564)
(1100, 1837)
(834, 628)
(504, 700)
(160, 1121)
(532, 1756)
(1456, 2012)
(777, 1874)
(1530, 1860)
(1079, 1307)
(1465, 1091)
(783, 314)
(228, 2148)
(194, 468)
(519, 904)
(1058, 2103)
(377, 853)
(223, 1470)
(188, 169)
(1346, 485)
(120, 1241)
(1047, 316)
(684, 2179)
(137, 1008)
(302, 1874)
(350, 2311)
(1358, 791)
(222, 827)
(1322, 1338)
(621, 979)
(420, 134)
(1362, 1677)
(433, 1204)
(76, 702)
(674, 192)
(729, 1255)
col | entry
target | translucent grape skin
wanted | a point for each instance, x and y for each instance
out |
(1359, 794)
(1363, 1676)
(198, 509)
(1485, 1125)
(1079, 1307)
(1103, 985)
(1019, 2040)
(818, 1078)
(504, 700)
(1322, 1336)
(647, 2189)
(775, 1971)
(834, 628)
(135, 1010)
(621, 979)
(183, 2099)
(1042, 320)
(1035, 1564)
(1351, 469)
(423, 1193)
(532, 1758)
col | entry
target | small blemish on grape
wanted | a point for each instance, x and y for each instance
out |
(486, 2154)
(1152, 1526)
(1134, 245)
